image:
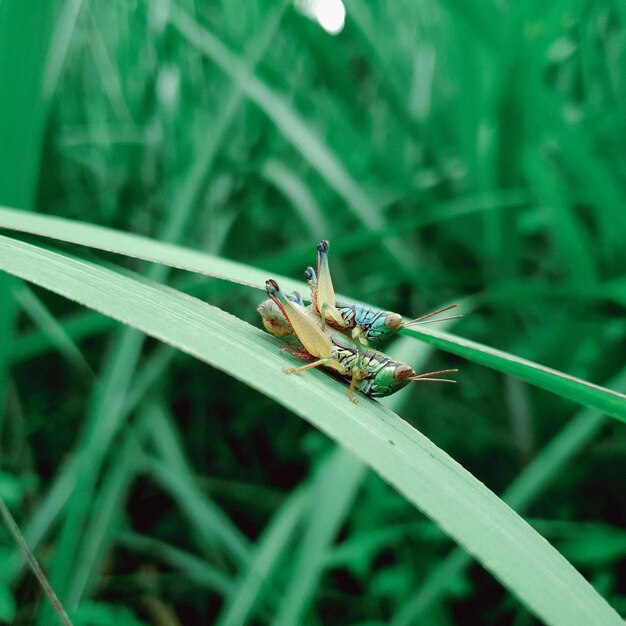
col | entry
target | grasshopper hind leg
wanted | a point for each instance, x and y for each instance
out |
(303, 368)
(298, 351)
(333, 363)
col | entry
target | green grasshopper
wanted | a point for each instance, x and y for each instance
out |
(365, 324)
(370, 371)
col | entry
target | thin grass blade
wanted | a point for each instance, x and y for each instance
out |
(467, 511)
(613, 403)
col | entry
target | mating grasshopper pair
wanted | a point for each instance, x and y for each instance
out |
(320, 331)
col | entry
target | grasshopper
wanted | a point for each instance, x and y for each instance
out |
(370, 371)
(365, 324)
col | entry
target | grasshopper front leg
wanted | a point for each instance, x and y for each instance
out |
(357, 375)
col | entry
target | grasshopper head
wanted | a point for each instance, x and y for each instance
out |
(273, 319)
(389, 379)
(381, 326)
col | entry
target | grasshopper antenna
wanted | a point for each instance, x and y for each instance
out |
(428, 377)
(425, 319)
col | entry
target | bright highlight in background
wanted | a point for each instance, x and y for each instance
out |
(329, 14)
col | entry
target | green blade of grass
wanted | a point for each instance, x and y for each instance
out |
(299, 195)
(270, 550)
(104, 522)
(135, 246)
(608, 401)
(12, 527)
(210, 524)
(8, 316)
(139, 247)
(51, 328)
(332, 493)
(595, 396)
(526, 488)
(196, 569)
(467, 511)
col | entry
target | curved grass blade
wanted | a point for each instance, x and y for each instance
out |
(467, 511)
(195, 568)
(271, 548)
(606, 400)
(332, 491)
(14, 530)
(138, 247)
(51, 328)
(101, 238)
(525, 489)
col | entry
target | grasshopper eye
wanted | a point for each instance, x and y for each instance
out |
(393, 321)
(403, 371)
(271, 286)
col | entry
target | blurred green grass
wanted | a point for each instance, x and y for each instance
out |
(486, 144)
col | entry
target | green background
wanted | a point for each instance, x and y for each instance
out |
(450, 153)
